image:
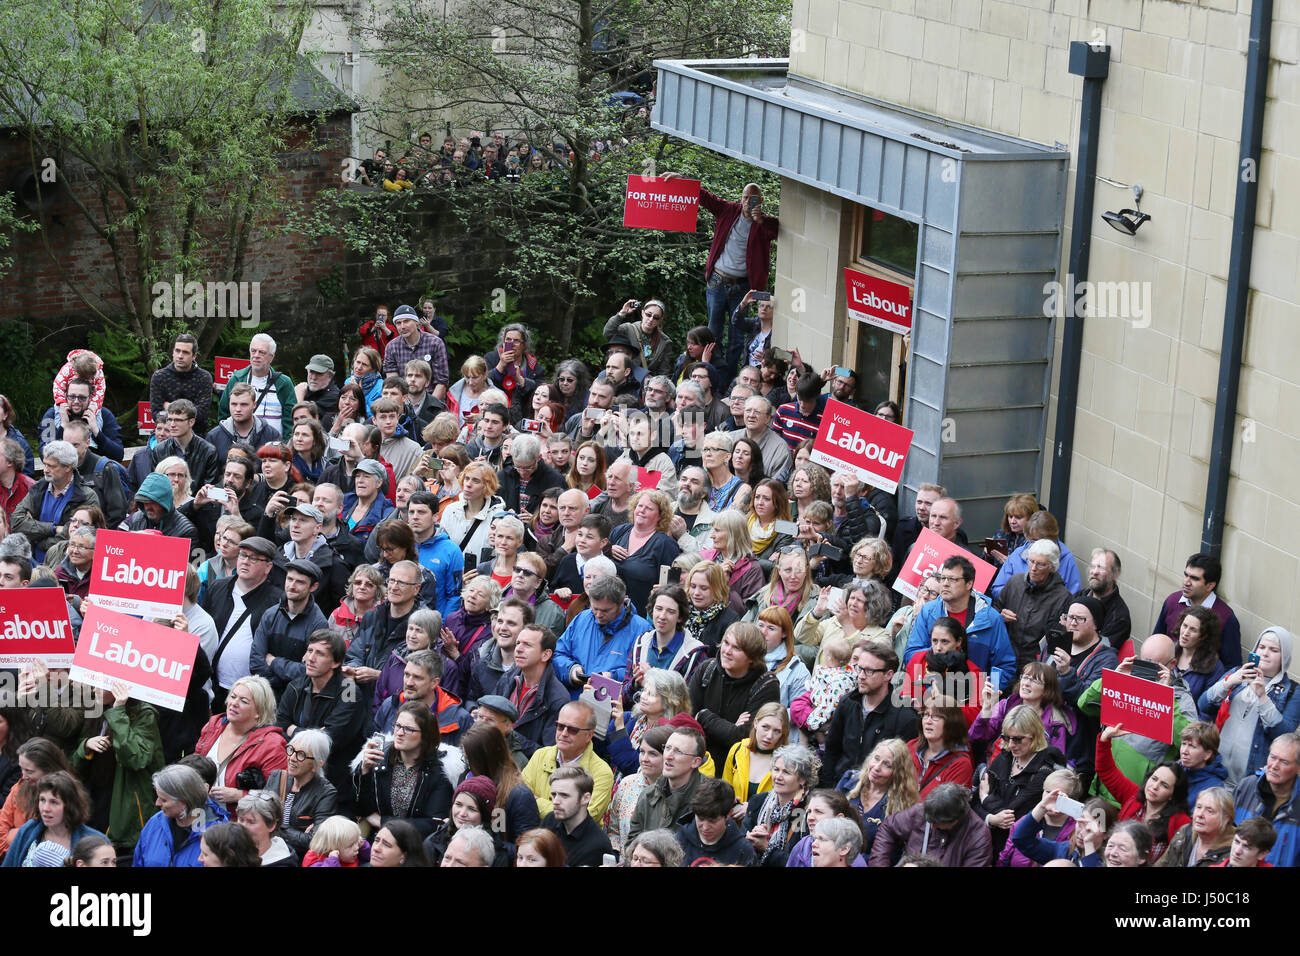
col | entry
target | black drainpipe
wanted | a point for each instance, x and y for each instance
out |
(1093, 64)
(1243, 245)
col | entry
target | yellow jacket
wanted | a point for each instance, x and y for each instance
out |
(736, 772)
(544, 763)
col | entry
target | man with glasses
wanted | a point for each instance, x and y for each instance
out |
(1271, 793)
(987, 642)
(328, 500)
(575, 729)
(867, 715)
(667, 803)
(197, 452)
(236, 605)
(739, 394)
(383, 628)
(524, 476)
(758, 428)
(323, 699)
(654, 350)
(105, 433)
(528, 585)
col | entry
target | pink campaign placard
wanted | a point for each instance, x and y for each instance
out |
(34, 626)
(138, 573)
(653, 203)
(1142, 706)
(155, 662)
(872, 448)
(878, 302)
(928, 554)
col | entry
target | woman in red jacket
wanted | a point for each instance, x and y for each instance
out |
(244, 742)
(941, 753)
(1161, 801)
(947, 663)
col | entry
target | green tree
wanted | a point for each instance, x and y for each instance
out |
(161, 124)
(550, 67)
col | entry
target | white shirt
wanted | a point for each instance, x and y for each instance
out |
(234, 659)
(268, 412)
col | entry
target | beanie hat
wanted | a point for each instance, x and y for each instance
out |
(158, 489)
(681, 721)
(481, 789)
(1095, 608)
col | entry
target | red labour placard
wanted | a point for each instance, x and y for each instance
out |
(1142, 706)
(138, 573)
(878, 301)
(34, 626)
(144, 416)
(226, 367)
(653, 203)
(155, 662)
(931, 551)
(852, 440)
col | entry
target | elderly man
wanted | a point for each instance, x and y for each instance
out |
(945, 521)
(413, 342)
(274, 390)
(42, 517)
(777, 462)
(1135, 754)
(525, 476)
(692, 517)
(599, 640)
(660, 397)
(572, 505)
(620, 482)
(106, 477)
(320, 388)
(654, 351)
(575, 727)
(854, 519)
(1271, 793)
(1033, 602)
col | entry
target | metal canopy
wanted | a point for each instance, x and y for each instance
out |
(991, 211)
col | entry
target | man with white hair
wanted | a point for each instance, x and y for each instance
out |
(274, 392)
(692, 517)
(471, 846)
(777, 462)
(525, 475)
(1033, 602)
(42, 517)
(620, 482)
(572, 506)
(945, 521)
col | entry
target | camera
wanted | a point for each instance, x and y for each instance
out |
(828, 551)
(530, 425)
(250, 778)
(636, 303)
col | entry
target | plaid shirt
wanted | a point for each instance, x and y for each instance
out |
(428, 348)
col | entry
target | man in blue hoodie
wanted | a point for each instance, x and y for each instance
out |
(599, 639)
(987, 642)
(437, 552)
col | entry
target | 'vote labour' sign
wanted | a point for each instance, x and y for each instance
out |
(855, 441)
(878, 302)
(1142, 706)
(653, 203)
(155, 662)
(928, 555)
(223, 368)
(137, 573)
(34, 626)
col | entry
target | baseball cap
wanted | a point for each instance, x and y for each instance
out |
(258, 545)
(321, 363)
(306, 510)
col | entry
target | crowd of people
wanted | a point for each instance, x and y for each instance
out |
(533, 617)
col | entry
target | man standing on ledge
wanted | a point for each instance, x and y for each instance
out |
(740, 257)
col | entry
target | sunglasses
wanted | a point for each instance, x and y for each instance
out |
(570, 729)
(1014, 738)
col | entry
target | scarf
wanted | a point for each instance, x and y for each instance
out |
(778, 820)
(761, 537)
(777, 597)
(698, 620)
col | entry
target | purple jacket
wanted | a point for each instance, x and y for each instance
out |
(801, 855)
(987, 728)
(391, 677)
(1010, 856)
(470, 630)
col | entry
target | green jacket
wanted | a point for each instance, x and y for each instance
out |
(138, 752)
(1133, 763)
(283, 389)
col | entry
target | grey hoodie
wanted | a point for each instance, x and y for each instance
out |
(1238, 732)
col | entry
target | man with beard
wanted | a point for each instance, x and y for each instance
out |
(1103, 584)
(205, 509)
(692, 517)
(320, 388)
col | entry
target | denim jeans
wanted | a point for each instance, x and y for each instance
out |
(722, 296)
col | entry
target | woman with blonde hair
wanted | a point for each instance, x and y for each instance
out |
(1015, 513)
(467, 520)
(790, 670)
(1207, 840)
(790, 585)
(177, 471)
(749, 763)
(1013, 783)
(466, 394)
(644, 545)
(708, 595)
(366, 365)
(861, 614)
(366, 591)
(243, 741)
(886, 784)
(734, 550)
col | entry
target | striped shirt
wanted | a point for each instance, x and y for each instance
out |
(794, 426)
